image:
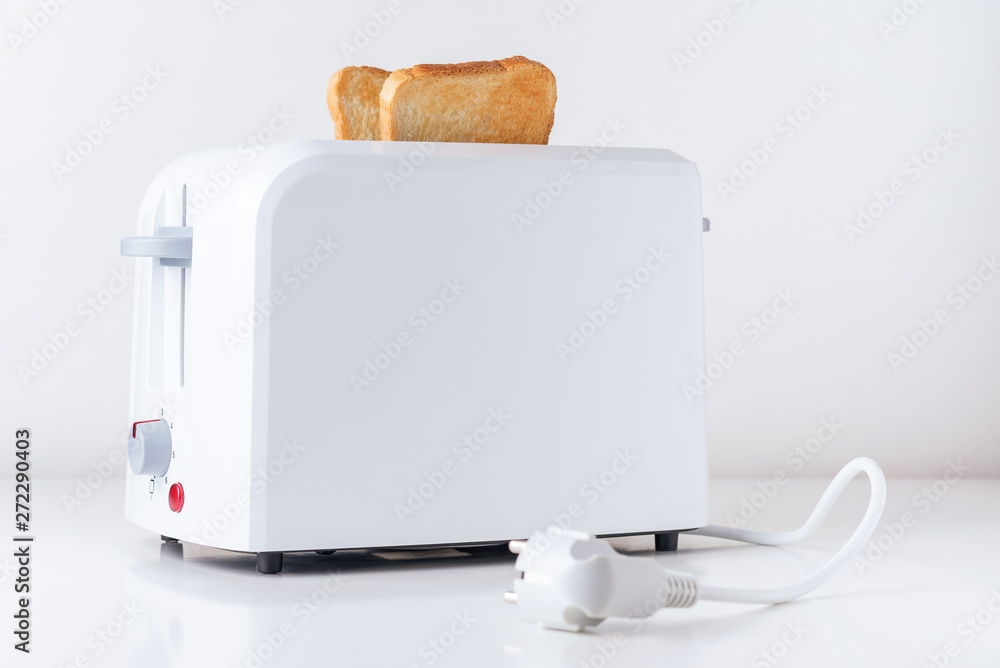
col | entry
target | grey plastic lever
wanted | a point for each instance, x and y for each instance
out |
(170, 245)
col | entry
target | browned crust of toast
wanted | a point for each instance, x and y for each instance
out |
(500, 101)
(352, 95)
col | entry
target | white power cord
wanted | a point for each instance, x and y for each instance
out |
(570, 580)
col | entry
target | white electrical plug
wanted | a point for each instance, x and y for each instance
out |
(571, 580)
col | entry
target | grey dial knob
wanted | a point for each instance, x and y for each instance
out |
(149, 447)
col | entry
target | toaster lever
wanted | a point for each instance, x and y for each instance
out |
(171, 245)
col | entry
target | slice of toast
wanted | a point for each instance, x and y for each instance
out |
(352, 95)
(510, 101)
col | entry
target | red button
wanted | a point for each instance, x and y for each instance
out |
(176, 499)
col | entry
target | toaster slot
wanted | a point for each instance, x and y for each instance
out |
(170, 284)
(167, 367)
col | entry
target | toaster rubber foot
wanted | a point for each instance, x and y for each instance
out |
(167, 539)
(325, 552)
(666, 541)
(269, 563)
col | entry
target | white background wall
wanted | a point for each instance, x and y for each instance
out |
(826, 357)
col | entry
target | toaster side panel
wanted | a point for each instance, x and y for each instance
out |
(477, 347)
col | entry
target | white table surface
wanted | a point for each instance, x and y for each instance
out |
(92, 571)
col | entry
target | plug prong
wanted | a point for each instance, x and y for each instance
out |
(516, 546)
(510, 597)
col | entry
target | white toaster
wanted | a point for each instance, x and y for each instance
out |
(391, 344)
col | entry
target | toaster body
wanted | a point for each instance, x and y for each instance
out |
(391, 344)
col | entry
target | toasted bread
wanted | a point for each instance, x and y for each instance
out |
(510, 101)
(352, 95)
